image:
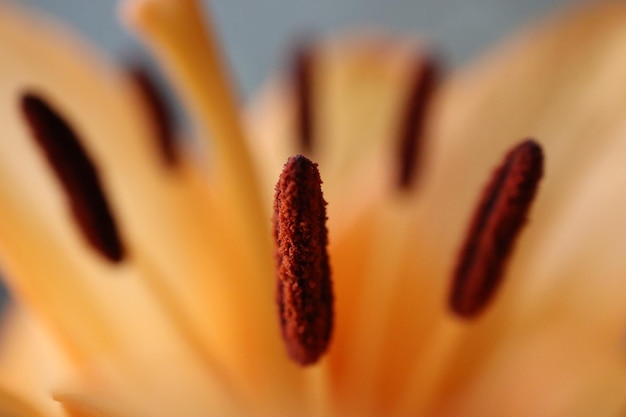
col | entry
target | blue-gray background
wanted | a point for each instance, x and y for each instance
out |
(256, 33)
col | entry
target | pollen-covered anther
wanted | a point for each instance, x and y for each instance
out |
(76, 173)
(304, 288)
(497, 222)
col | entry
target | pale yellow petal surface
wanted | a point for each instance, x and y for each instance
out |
(569, 99)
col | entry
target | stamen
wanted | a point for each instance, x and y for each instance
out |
(158, 112)
(184, 41)
(304, 289)
(303, 71)
(77, 175)
(497, 222)
(424, 85)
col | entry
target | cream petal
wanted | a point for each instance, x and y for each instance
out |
(538, 85)
(567, 265)
(571, 312)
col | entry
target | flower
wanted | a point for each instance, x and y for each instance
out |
(144, 273)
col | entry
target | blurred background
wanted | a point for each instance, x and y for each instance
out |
(258, 34)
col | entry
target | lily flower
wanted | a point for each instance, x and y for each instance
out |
(368, 238)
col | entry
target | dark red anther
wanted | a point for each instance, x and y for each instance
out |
(304, 288)
(158, 111)
(76, 173)
(303, 78)
(424, 83)
(497, 222)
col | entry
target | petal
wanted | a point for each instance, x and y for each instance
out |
(182, 286)
(13, 406)
(30, 363)
(565, 268)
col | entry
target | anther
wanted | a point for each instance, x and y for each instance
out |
(77, 175)
(304, 288)
(158, 111)
(497, 222)
(303, 79)
(424, 83)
